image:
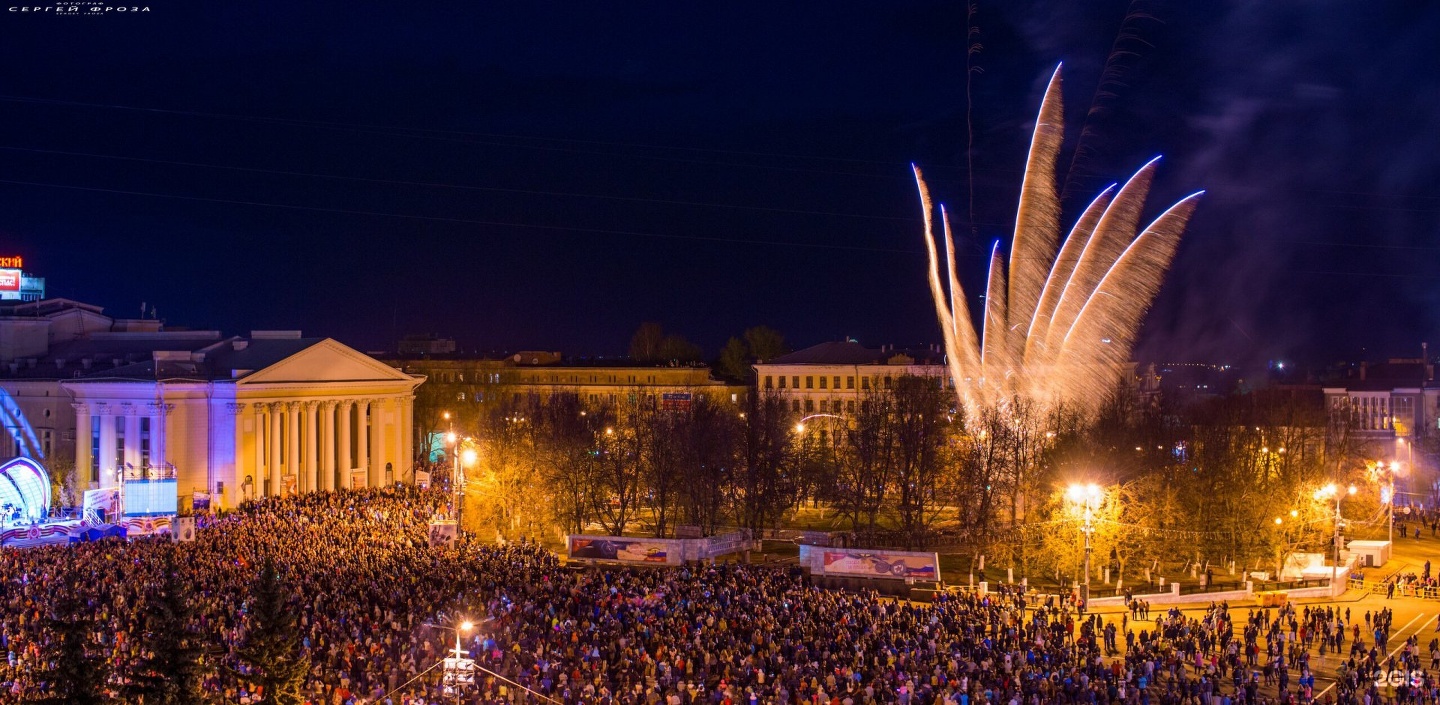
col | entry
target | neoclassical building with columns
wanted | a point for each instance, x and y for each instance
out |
(269, 415)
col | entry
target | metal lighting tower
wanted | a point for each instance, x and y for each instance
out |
(1327, 492)
(459, 669)
(1087, 498)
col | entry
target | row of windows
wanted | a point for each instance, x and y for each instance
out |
(453, 377)
(832, 382)
(119, 421)
(825, 382)
(825, 406)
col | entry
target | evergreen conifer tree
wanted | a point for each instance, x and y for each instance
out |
(270, 655)
(75, 673)
(170, 671)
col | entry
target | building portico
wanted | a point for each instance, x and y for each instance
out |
(272, 415)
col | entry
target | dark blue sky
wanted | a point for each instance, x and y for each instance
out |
(548, 175)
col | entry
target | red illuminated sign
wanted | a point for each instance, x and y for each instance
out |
(9, 280)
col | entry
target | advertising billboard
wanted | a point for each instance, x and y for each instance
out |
(614, 548)
(882, 564)
(9, 280)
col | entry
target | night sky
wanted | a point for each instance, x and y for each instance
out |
(549, 175)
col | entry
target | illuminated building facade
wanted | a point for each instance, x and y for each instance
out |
(1395, 399)
(832, 378)
(95, 398)
(538, 375)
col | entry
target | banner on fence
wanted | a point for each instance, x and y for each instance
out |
(881, 564)
(615, 548)
(422, 479)
(359, 478)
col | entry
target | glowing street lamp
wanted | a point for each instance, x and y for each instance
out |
(1387, 491)
(459, 669)
(1087, 497)
(1325, 493)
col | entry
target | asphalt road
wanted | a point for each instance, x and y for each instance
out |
(1412, 615)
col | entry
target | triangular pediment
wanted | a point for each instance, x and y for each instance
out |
(327, 361)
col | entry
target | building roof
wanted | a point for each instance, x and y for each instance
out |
(102, 351)
(222, 360)
(43, 307)
(850, 352)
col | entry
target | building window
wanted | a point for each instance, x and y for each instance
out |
(809, 382)
(864, 382)
(794, 404)
(94, 448)
(809, 405)
(837, 381)
(822, 382)
(144, 441)
(47, 442)
(850, 382)
(889, 382)
(850, 406)
(770, 381)
(782, 381)
(795, 381)
(119, 442)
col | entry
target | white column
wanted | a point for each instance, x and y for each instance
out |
(132, 436)
(84, 436)
(327, 446)
(345, 410)
(272, 470)
(292, 442)
(312, 457)
(157, 412)
(237, 473)
(159, 439)
(377, 442)
(109, 477)
(407, 435)
(362, 436)
(396, 442)
(257, 473)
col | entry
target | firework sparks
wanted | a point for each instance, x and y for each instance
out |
(1060, 316)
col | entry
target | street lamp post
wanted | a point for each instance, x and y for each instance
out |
(1327, 492)
(1088, 498)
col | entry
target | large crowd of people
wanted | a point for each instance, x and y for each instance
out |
(374, 600)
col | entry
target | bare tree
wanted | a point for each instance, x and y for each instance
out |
(866, 461)
(508, 483)
(765, 484)
(922, 454)
(620, 471)
(708, 433)
(566, 434)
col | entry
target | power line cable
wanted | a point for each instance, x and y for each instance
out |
(464, 221)
(492, 189)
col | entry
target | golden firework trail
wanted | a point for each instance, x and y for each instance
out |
(1060, 317)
